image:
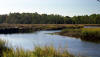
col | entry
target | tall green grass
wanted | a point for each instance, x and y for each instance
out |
(38, 52)
(46, 51)
(92, 34)
(71, 32)
(3, 47)
(74, 26)
(86, 34)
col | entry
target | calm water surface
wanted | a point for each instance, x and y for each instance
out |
(74, 46)
(92, 26)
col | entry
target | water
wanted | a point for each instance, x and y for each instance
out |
(74, 46)
(95, 26)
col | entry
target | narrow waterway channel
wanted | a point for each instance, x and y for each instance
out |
(29, 40)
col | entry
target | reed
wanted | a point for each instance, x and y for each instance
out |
(46, 51)
(86, 34)
(92, 34)
(3, 47)
(71, 32)
(38, 52)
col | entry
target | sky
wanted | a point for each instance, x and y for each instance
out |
(62, 7)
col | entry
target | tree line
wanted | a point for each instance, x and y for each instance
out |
(35, 18)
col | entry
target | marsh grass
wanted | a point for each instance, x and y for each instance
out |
(46, 51)
(86, 34)
(71, 32)
(3, 47)
(74, 26)
(92, 34)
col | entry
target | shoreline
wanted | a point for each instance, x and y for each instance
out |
(85, 34)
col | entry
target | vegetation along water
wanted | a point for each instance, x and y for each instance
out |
(49, 28)
(47, 51)
(28, 41)
(86, 34)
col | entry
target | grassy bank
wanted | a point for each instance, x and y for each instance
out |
(91, 34)
(40, 26)
(47, 51)
(25, 28)
(43, 26)
(87, 34)
(70, 32)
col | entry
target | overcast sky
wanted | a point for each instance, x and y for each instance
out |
(62, 7)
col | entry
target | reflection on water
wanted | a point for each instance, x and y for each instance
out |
(75, 46)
